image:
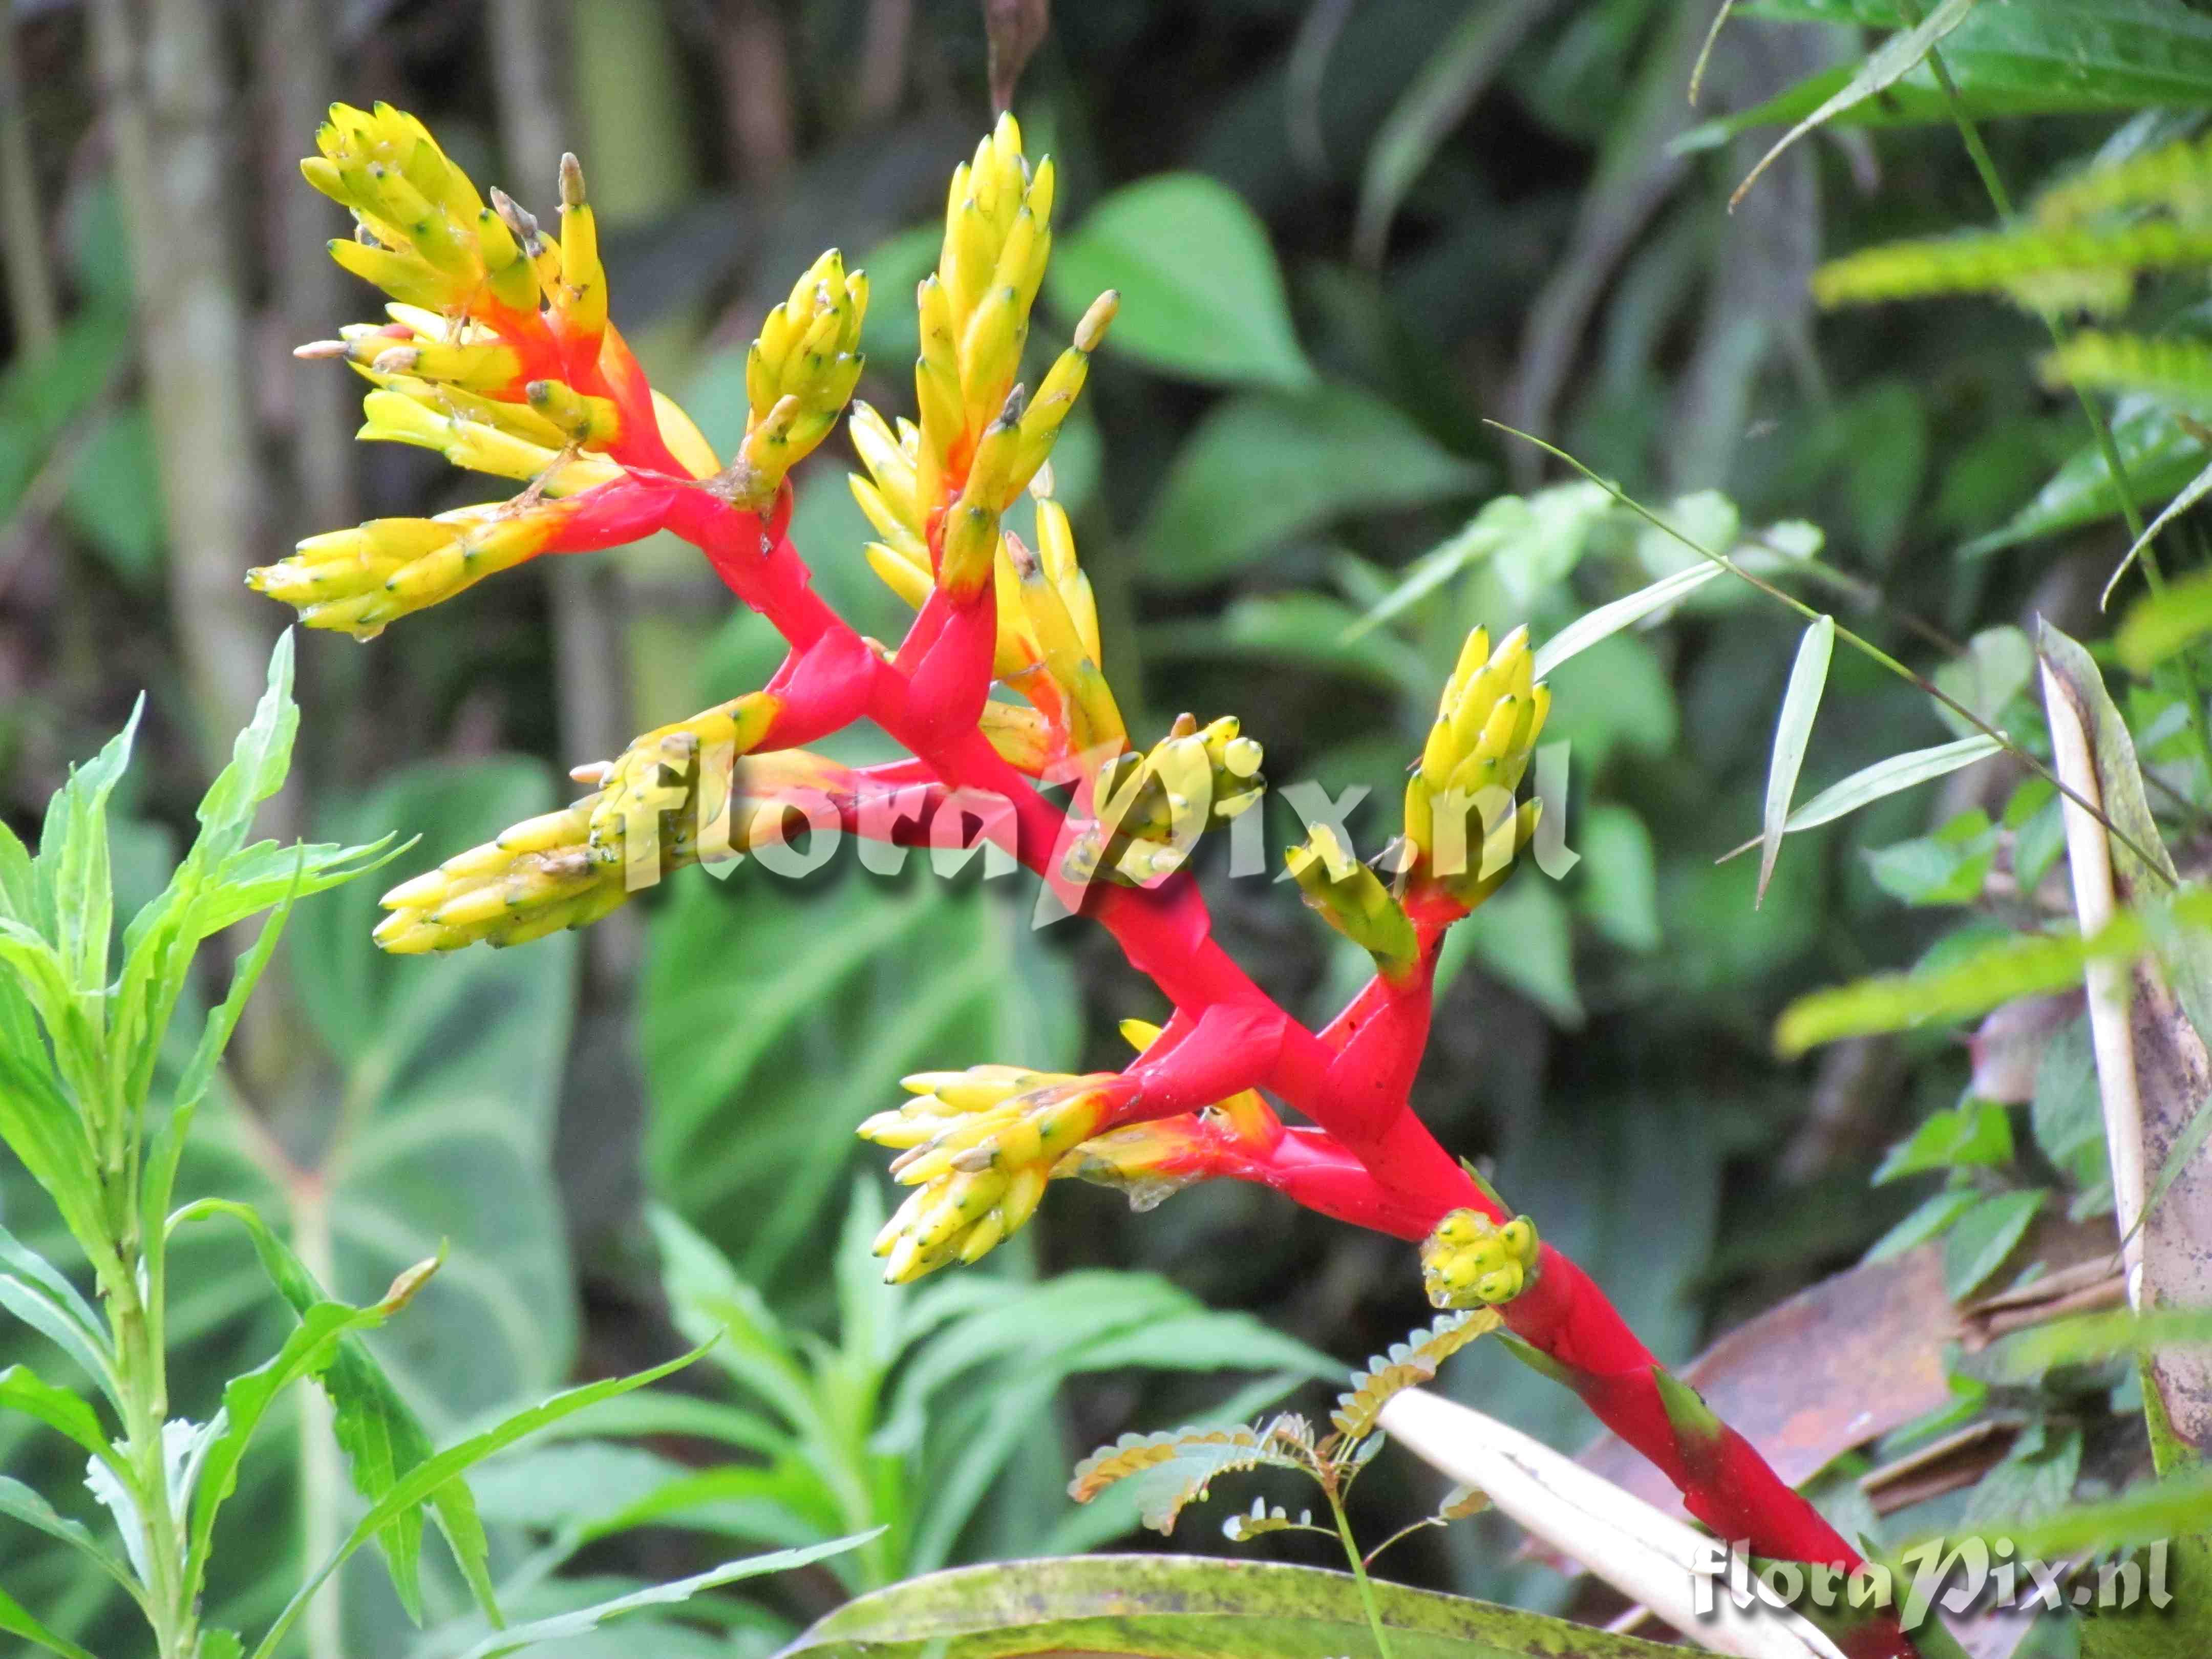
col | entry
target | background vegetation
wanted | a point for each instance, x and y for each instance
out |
(1441, 214)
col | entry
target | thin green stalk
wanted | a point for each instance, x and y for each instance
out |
(1865, 647)
(144, 1387)
(1358, 1570)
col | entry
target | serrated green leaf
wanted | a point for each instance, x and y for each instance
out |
(1201, 296)
(1980, 1240)
(427, 1478)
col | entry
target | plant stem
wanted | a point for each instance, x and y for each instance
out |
(322, 1483)
(1865, 647)
(1358, 1569)
(144, 1387)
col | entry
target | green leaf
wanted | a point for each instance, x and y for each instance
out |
(15, 1621)
(1307, 630)
(23, 1389)
(2159, 454)
(428, 1477)
(378, 1432)
(1451, 78)
(32, 1510)
(2035, 1480)
(1981, 1239)
(2067, 1114)
(2025, 1356)
(1588, 630)
(1889, 777)
(76, 903)
(1927, 1220)
(114, 500)
(846, 986)
(1264, 467)
(1620, 890)
(1996, 668)
(2172, 618)
(2020, 57)
(1548, 531)
(1793, 734)
(1974, 1133)
(1887, 64)
(581, 1619)
(1524, 937)
(1201, 296)
(1948, 867)
(1173, 1606)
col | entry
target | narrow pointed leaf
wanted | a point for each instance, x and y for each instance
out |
(1886, 777)
(1890, 63)
(1608, 620)
(2139, 655)
(1793, 734)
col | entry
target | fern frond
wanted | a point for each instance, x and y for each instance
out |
(2178, 178)
(2172, 366)
(1176, 1467)
(1408, 1365)
(2088, 268)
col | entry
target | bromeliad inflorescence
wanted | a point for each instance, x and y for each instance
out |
(498, 352)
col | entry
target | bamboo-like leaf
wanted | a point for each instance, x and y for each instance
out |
(2176, 617)
(1885, 777)
(1793, 735)
(580, 1621)
(1609, 619)
(1890, 62)
(1408, 1365)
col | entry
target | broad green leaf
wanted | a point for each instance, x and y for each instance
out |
(1980, 1240)
(2035, 1480)
(1619, 891)
(428, 1477)
(1450, 80)
(1996, 668)
(1588, 630)
(1264, 467)
(1887, 64)
(1173, 1606)
(582, 1620)
(1524, 937)
(1793, 734)
(847, 982)
(1302, 629)
(1948, 867)
(2019, 57)
(23, 1389)
(2067, 1114)
(108, 502)
(2160, 456)
(1201, 296)
(2172, 619)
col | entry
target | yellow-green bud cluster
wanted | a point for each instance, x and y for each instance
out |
(567, 868)
(800, 373)
(978, 1147)
(434, 243)
(1148, 810)
(356, 581)
(1472, 1262)
(482, 434)
(1355, 901)
(1461, 820)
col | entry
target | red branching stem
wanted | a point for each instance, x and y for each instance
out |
(1370, 1161)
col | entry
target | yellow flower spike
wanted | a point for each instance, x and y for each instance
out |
(890, 463)
(1000, 1134)
(1471, 1262)
(1353, 899)
(800, 373)
(488, 365)
(1463, 824)
(971, 548)
(357, 580)
(1093, 718)
(1056, 548)
(583, 294)
(591, 421)
(681, 759)
(943, 420)
(397, 417)
(910, 581)
(682, 435)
